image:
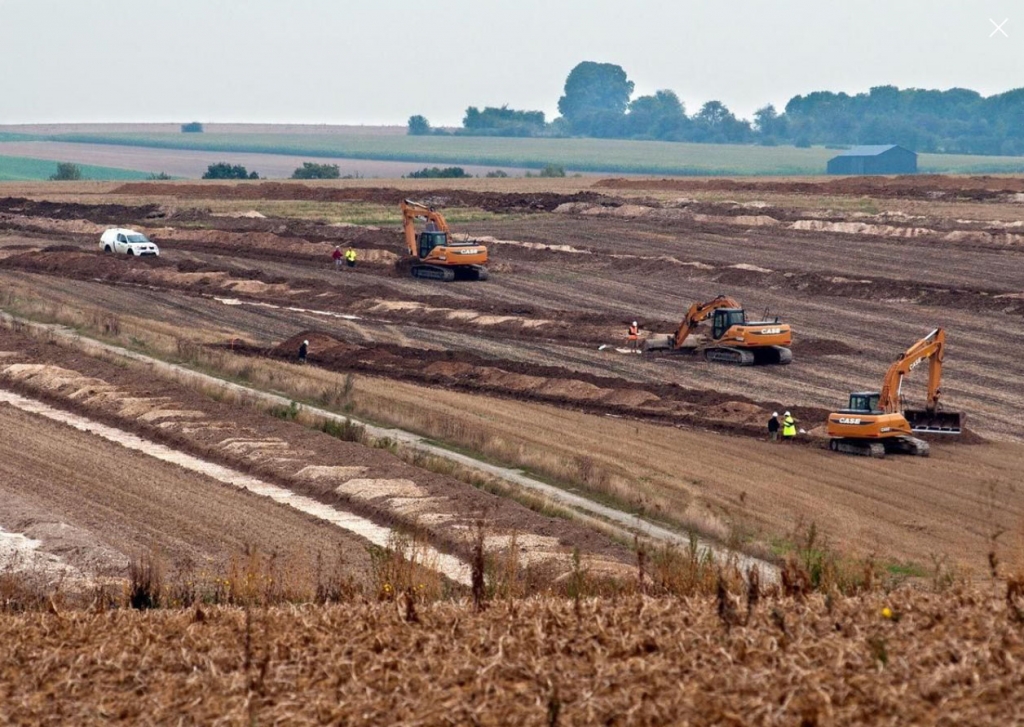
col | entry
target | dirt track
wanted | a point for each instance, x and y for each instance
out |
(135, 505)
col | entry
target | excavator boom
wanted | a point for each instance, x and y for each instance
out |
(699, 312)
(931, 348)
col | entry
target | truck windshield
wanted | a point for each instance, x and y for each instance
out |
(137, 238)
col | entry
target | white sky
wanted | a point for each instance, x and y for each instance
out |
(346, 61)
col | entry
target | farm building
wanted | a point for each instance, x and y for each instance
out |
(882, 159)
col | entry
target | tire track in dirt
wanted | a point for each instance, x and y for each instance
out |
(137, 505)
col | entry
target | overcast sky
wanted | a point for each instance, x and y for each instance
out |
(338, 61)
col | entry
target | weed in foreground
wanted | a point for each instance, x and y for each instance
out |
(145, 583)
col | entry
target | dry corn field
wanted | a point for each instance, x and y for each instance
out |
(908, 657)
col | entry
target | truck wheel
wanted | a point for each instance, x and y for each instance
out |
(106, 248)
(131, 252)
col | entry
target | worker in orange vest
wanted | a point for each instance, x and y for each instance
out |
(634, 338)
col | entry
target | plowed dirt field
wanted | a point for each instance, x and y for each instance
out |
(570, 271)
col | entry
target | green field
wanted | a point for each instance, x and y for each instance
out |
(584, 155)
(23, 169)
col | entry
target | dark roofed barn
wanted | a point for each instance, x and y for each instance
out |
(884, 159)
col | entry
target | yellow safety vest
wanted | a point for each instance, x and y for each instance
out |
(789, 427)
(350, 255)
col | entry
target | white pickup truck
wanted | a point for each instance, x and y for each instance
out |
(129, 242)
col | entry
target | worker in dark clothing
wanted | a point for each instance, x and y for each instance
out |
(773, 427)
(303, 350)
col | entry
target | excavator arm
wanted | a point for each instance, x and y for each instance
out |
(931, 347)
(699, 312)
(412, 210)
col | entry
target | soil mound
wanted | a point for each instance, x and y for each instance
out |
(921, 186)
(102, 213)
(490, 201)
(463, 371)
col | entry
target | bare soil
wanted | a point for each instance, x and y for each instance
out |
(924, 186)
(570, 272)
(353, 476)
(97, 505)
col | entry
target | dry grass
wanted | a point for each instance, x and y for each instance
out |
(951, 658)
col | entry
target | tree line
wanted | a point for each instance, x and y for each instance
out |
(597, 102)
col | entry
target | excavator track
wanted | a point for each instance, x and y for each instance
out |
(437, 272)
(773, 356)
(766, 356)
(858, 447)
(893, 445)
(433, 272)
(731, 356)
(907, 445)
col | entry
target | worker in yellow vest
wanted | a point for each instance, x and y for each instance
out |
(788, 427)
(350, 257)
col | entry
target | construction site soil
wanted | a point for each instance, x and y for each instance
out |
(443, 510)
(489, 201)
(924, 186)
(569, 274)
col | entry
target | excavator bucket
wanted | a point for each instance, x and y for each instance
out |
(935, 422)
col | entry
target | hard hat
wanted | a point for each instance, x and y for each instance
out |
(775, 413)
(634, 323)
(787, 413)
(307, 343)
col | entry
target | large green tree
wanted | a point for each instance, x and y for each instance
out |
(224, 170)
(595, 99)
(660, 116)
(418, 125)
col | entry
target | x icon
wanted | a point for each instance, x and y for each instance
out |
(999, 27)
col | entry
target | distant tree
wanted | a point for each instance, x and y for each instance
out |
(716, 123)
(418, 126)
(67, 172)
(497, 174)
(224, 170)
(438, 173)
(160, 176)
(769, 124)
(193, 127)
(595, 99)
(660, 116)
(309, 170)
(552, 170)
(493, 121)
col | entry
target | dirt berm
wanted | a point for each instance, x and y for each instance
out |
(490, 201)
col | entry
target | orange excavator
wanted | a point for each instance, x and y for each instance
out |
(733, 339)
(433, 254)
(875, 423)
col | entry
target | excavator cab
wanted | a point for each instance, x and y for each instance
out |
(726, 318)
(427, 241)
(864, 402)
